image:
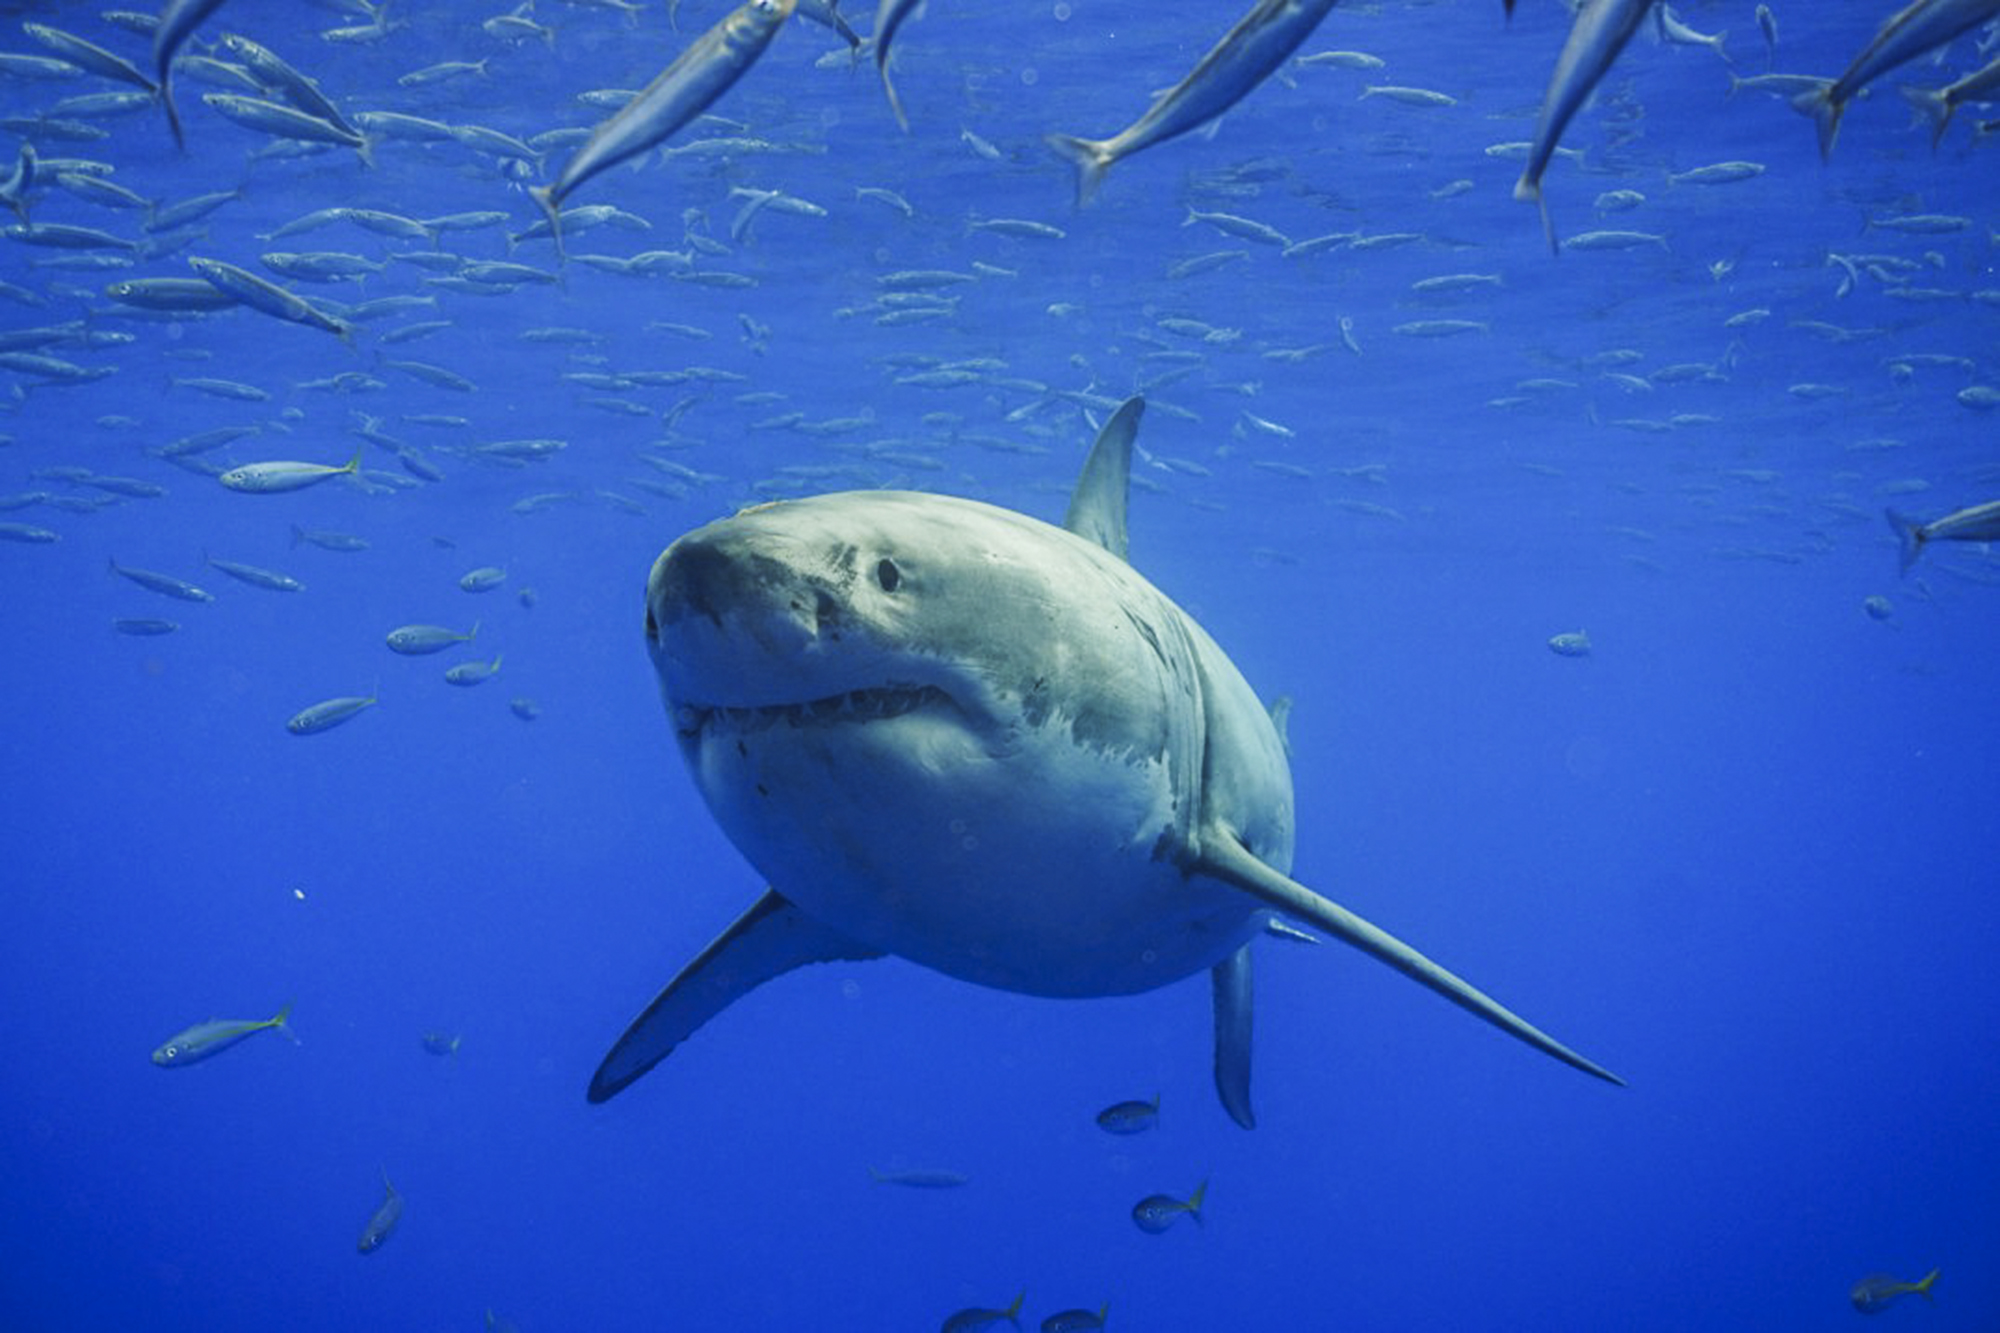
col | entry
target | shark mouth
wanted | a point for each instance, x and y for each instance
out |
(855, 706)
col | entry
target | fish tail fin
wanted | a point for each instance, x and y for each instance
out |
(1529, 190)
(875, 1175)
(173, 113)
(1910, 535)
(1013, 1311)
(473, 633)
(545, 195)
(282, 1022)
(1825, 112)
(1923, 1287)
(1091, 158)
(354, 464)
(1193, 1204)
(298, 535)
(889, 88)
(366, 150)
(1937, 108)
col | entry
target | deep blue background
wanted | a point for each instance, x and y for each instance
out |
(1744, 853)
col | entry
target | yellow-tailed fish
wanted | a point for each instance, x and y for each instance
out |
(215, 1036)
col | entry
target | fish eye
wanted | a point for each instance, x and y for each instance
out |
(888, 575)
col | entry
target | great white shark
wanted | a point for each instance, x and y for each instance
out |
(955, 733)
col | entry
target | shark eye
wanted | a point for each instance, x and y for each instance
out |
(888, 576)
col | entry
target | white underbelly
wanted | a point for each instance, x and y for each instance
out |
(1035, 866)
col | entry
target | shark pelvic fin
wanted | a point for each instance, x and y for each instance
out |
(1231, 978)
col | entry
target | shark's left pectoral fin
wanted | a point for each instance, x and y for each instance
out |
(1231, 982)
(1224, 858)
(767, 941)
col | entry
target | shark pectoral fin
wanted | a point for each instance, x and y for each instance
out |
(1231, 979)
(767, 941)
(1225, 859)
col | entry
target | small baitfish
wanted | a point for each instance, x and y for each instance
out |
(1076, 1321)
(473, 673)
(976, 1317)
(271, 478)
(1156, 1212)
(1570, 645)
(923, 1180)
(1134, 1117)
(383, 1220)
(442, 1043)
(327, 715)
(215, 1036)
(422, 640)
(1877, 1291)
(163, 584)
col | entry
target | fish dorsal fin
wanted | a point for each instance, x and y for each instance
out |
(1097, 509)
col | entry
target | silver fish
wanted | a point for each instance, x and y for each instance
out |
(890, 16)
(1979, 523)
(383, 1220)
(288, 122)
(1940, 104)
(162, 584)
(1596, 36)
(271, 478)
(268, 297)
(327, 715)
(702, 73)
(421, 640)
(1261, 41)
(89, 55)
(257, 577)
(177, 23)
(1920, 26)
(213, 1037)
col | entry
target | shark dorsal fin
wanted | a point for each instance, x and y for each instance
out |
(1097, 509)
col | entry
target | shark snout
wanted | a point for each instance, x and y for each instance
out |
(730, 611)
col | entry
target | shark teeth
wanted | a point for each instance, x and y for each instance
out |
(869, 705)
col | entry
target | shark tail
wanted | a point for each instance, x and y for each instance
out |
(1937, 108)
(1910, 536)
(1092, 158)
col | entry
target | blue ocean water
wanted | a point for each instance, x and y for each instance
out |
(1742, 852)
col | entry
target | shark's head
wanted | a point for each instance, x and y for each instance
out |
(950, 730)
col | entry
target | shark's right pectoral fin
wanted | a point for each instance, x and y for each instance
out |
(767, 941)
(1223, 857)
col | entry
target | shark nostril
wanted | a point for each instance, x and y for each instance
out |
(826, 611)
(652, 625)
